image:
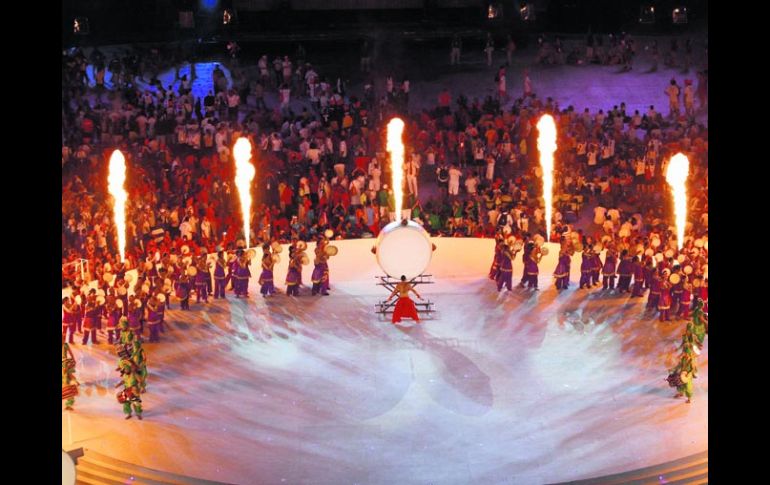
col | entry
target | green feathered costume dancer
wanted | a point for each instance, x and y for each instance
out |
(699, 323)
(139, 358)
(129, 396)
(68, 374)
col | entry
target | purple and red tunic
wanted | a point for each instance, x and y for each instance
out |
(664, 303)
(562, 268)
(530, 266)
(93, 315)
(294, 275)
(113, 317)
(135, 317)
(625, 267)
(610, 265)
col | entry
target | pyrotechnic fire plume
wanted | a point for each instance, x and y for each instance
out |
(116, 180)
(244, 174)
(396, 149)
(546, 145)
(676, 176)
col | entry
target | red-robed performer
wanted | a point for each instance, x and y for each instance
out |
(404, 306)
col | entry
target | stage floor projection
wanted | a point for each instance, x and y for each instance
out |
(513, 387)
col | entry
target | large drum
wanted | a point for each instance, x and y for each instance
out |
(404, 249)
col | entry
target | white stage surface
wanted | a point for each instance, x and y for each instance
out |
(518, 387)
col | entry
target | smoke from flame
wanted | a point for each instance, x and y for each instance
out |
(396, 148)
(244, 174)
(546, 145)
(676, 176)
(116, 180)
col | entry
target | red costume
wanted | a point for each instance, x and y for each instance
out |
(405, 309)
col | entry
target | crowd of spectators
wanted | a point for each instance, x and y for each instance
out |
(319, 152)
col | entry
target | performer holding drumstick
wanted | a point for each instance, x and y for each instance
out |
(404, 306)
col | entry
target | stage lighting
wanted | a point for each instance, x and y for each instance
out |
(494, 11)
(527, 11)
(679, 15)
(227, 17)
(647, 15)
(80, 26)
(209, 4)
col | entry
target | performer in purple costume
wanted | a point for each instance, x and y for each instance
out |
(638, 270)
(505, 268)
(135, 315)
(320, 276)
(499, 243)
(183, 288)
(230, 279)
(266, 277)
(201, 285)
(664, 303)
(586, 267)
(561, 273)
(69, 320)
(242, 275)
(625, 272)
(676, 290)
(531, 258)
(153, 319)
(220, 278)
(113, 314)
(294, 275)
(609, 270)
(654, 296)
(92, 319)
(649, 272)
(596, 267)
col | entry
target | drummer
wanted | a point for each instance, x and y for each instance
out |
(266, 277)
(294, 275)
(320, 275)
(404, 305)
(220, 278)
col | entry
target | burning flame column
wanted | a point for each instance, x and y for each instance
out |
(396, 148)
(546, 145)
(676, 176)
(116, 180)
(244, 174)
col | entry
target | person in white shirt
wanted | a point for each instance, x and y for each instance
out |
(374, 175)
(454, 180)
(600, 214)
(412, 170)
(471, 182)
(490, 173)
(185, 229)
(206, 229)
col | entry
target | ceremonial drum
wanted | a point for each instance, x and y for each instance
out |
(404, 249)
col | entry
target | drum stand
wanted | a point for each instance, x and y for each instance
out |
(385, 307)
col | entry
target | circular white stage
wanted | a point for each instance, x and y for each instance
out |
(516, 387)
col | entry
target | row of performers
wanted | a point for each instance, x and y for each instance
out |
(88, 310)
(673, 280)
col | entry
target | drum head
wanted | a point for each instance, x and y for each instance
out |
(404, 250)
